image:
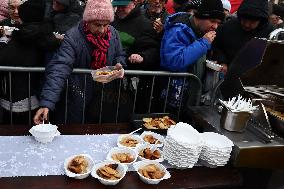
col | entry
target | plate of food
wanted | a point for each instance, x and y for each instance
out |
(78, 166)
(156, 122)
(107, 74)
(109, 172)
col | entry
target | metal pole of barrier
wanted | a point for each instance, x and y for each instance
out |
(66, 102)
(151, 95)
(118, 101)
(135, 96)
(101, 105)
(181, 96)
(84, 101)
(30, 101)
(11, 103)
(167, 94)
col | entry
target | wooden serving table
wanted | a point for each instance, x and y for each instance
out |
(197, 177)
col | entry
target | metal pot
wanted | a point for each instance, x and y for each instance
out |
(234, 121)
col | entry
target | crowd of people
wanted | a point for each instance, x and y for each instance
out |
(61, 35)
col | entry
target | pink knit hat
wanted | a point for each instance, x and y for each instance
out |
(98, 10)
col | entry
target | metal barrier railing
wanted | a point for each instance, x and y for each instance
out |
(85, 72)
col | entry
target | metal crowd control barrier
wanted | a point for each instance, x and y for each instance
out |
(29, 70)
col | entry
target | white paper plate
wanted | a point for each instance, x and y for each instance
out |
(121, 169)
(141, 164)
(122, 150)
(143, 146)
(135, 137)
(155, 135)
(79, 176)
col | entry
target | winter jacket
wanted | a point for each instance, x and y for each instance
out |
(143, 40)
(181, 47)
(65, 20)
(231, 37)
(26, 48)
(75, 52)
(4, 10)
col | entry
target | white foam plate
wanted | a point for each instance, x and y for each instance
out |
(121, 169)
(79, 176)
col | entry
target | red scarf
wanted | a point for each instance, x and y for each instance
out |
(99, 46)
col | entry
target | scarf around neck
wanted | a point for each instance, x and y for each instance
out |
(99, 45)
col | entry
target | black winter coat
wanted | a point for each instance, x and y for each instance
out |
(138, 37)
(26, 49)
(231, 37)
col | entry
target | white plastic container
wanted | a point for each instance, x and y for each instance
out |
(79, 176)
(141, 164)
(117, 150)
(144, 146)
(135, 137)
(155, 135)
(44, 133)
(121, 169)
(106, 78)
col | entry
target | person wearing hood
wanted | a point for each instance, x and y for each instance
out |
(186, 41)
(26, 48)
(64, 14)
(252, 21)
(91, 44)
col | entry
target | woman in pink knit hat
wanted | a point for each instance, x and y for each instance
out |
(92, 44)
(4, 10)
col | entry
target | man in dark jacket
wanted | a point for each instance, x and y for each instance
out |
(252, 21)
(140, 43)
(156, 12)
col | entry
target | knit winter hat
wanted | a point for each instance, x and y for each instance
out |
(32, 11)
(210, 9)
(253, 9)
(98, 10)
(226, 5)
(194, 4)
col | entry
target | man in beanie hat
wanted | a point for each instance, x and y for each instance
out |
(186, 41)
(91, 44)
(252, 21)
